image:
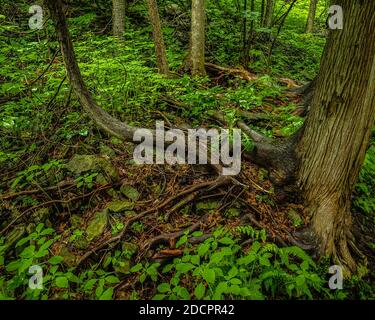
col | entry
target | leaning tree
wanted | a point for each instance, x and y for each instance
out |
(321, 163)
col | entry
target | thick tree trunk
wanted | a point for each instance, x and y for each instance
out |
(267, 19)
(118, 17)
(197, 37)
(337, 132)
(161, 56)
(311, 16)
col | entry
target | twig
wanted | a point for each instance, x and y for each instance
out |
(28, 192)
(53, 202)
(116, 239)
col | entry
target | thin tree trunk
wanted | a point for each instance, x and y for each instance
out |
(311, 16)
(198, 37)
(118, 17)
(268, 14)
(161, 56)
(262, 7)
(244, 55)
(338, 129)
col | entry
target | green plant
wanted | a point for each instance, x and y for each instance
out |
(86, 181)
(218, 269)
(32, 250)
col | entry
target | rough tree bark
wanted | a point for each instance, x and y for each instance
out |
(338, 129)
(118, 17)
(197, 37)
(161, 56)
(311, 16)
(267, 19)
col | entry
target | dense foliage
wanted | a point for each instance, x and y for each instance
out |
(42, 127)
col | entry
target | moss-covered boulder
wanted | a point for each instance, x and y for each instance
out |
(14, 236)
(40, 215)
(83, 163)
(122, 266)
(69, 258)
(295, 218)
(207, 205)
(130, 192)
(120, 206)
(129, 248)
(97, 225)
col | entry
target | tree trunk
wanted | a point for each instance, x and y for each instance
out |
(197, 37)
(245, 54)
(161, 56)
(262, 7)
(325, 157)
(311, 16)
(103, 119)
(118, 17)
(267, 21)
(338, 130)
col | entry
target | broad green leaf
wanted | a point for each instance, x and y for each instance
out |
(62, 282)
(200, 290)
(209, 275)
(107, 294)
(164, 287)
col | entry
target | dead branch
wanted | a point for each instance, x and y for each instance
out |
(209, 184)
(63, 184)
(237, 72)
(48, 203)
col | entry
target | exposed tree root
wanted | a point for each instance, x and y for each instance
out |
(236, 72)
(56, 201)
(172, 237)
(278, 156)
(116, 239)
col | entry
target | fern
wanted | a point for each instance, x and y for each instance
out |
(252, 233)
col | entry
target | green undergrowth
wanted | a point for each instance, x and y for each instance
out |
(42, 126)
(218, 268)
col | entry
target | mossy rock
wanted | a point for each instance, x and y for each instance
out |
(75, 221)
(107, 151)
(130, 247)
(14, 236)
(120, 206)
(295, 218)
(113, 194)
(69, 258)
(130, 192)
(122, 266)
(83, 163)
(81, 243)
(101, 179)
(116, 141)
(40, 215)
(232, 213)
(97, 225)
(207, 205)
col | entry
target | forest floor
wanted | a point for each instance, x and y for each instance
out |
(73, 202)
